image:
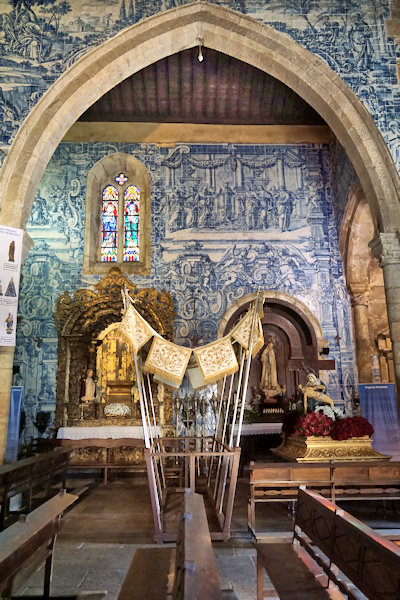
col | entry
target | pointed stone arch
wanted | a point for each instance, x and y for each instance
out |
(223, 30)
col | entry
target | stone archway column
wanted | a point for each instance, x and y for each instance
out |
(6, 371)
(386, 248)
(359, 293)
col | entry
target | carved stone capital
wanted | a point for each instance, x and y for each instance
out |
(386, 248)
(359, 294)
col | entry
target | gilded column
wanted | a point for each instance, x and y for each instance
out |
(386, 248)
(359, 301)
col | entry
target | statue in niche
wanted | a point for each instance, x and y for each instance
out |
(87, 396)
(88, 388)
(269, 375)
(314, 393)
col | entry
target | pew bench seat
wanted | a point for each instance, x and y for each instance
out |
(184, 572)
(332, 555)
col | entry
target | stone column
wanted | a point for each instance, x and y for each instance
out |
(359, 294)
(386, 248)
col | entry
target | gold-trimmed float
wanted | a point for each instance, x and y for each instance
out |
(324, 448)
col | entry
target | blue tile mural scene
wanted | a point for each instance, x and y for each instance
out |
(39, 40)
(226, 220)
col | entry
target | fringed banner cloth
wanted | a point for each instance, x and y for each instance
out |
(167, 361)
(136, 328)
(242, 332)
(216, 360)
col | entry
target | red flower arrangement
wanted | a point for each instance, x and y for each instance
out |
(315, 423)
(319, 425)
(344, 429)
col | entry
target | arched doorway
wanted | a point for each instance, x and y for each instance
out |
(297, 335)
(366, 286)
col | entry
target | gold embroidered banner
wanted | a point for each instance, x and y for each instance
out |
(167, 360)
(216, 360)
(242, 332)
(136, 328)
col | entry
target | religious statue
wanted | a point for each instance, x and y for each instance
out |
(269, 376)
(10, 291)
(314, 393)
(11, 251)
(9, 323)
(88, 388)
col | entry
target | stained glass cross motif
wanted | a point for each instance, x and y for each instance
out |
(131, 223)
(121, 179)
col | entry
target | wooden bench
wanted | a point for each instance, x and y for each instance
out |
(106, 454)
(330, 546)
(188, 571)
(279, 482)
(25, 476)
(28, 544)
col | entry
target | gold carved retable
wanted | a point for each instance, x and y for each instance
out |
(84, 321)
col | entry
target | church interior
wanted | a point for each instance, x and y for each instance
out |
(210, 164)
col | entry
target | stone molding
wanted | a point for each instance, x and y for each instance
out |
(386, 248)
(359, 294)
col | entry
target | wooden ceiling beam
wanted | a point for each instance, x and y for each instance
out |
(172, 133)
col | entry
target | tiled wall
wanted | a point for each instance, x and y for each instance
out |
(39, 43)
(226, 219)
(222, 256)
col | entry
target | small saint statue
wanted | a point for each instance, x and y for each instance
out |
(314, 393)
(88, 390)
(9, 323)
(269, 376)
(88, 387)
(11, 251)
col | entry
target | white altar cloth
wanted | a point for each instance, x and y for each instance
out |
(102, 432)
(259, 428)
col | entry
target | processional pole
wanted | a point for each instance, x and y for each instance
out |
(217, 419)
(155, 500)
(243, 391)
(246, 378)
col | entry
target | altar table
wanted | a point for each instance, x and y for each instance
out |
(256, 440)
(259, 428)
(103, 432)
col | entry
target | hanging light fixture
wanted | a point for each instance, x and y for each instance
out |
(200, 56)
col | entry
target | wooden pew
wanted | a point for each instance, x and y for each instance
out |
(25, 476)
(187, 572)
(105, 454)
(343, 551)
(28, 544)
(279, 482)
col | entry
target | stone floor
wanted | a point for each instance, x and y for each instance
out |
(103, 529)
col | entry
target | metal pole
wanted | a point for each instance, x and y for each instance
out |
(237, 397)
(156, 434)
(246, 378)
(228, 402)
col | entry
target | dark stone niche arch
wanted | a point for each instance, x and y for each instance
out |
(297, 348)
(80, 319)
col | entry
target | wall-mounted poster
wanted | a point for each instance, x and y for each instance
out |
(10, 264)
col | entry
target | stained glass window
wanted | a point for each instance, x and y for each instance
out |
(131, 223)
(109, 224)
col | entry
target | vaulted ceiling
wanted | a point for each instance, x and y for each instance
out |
(218, 90)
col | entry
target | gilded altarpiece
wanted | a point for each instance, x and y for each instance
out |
(89, 338)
